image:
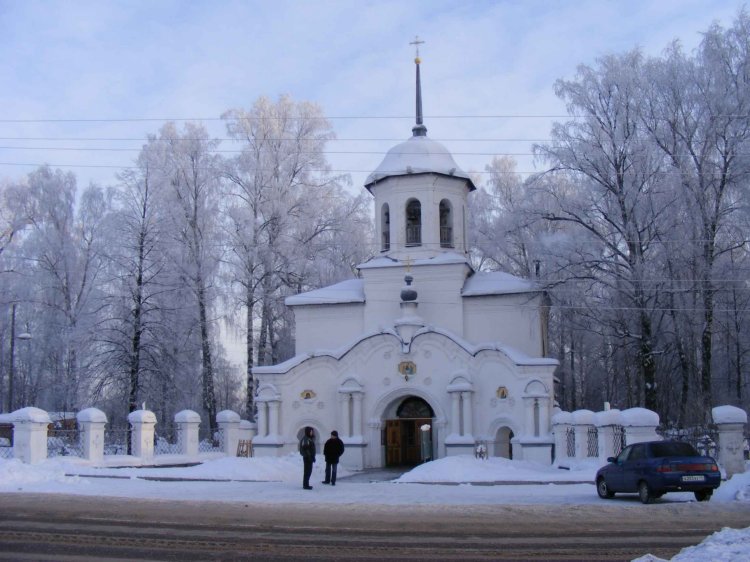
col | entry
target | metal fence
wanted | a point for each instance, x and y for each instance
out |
(64, 443)
(6, 450)
(618, 439)
(210, 442)
(117, 441)
(592, 445)
(165, 440)
(570, 440)
(704, 438)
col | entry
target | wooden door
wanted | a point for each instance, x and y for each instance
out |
(393, 442)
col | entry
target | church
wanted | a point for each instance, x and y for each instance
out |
(421, 356)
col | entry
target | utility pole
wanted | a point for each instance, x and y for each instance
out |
(11, 369)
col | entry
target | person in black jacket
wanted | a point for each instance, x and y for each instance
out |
(333, 449)
(307, 450)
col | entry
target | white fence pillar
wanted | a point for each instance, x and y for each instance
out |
(582, 421)
(229, 423)
(30, 426)
(91, 422)
(188, 423)
(640, 425)
(247, 430)
(731, 423)
(142, 422)
(608, 424)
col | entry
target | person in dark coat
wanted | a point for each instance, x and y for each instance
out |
(307, 450)
(333, 449)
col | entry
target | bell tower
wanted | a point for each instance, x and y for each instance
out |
(420, 194)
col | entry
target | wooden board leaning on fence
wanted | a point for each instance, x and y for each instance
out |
(245, 448)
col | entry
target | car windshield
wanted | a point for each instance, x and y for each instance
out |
(673, 449)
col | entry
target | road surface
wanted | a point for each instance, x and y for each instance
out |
(73, 528)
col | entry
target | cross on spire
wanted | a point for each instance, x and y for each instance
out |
(419, 130)
(417, 42)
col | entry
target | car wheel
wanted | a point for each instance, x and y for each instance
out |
(603, 490)
(644, 492)
(703, 495)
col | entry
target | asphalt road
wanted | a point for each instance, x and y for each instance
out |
(68, 528)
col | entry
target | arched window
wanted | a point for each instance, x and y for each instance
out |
(385, 228)
(414, 407)
(446, 224)
(413, 223)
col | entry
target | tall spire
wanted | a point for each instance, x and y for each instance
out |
(419, 130)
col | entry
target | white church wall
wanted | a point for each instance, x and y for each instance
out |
(439, 288)
(322, 391)
(327, 326)
(512, 319)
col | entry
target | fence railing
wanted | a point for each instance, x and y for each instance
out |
(705, 439)
(64, 443)
(570, 442)
(209, 442)
(117, 441)
(592, 444)
(165, 440)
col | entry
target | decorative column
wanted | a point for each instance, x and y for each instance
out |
(544, 417)
(731, 423)
(357, 414)
(455, 414)
(461, 439)
(229, 425)
(273, 418)
(91, 422)
(188, 424)
(640, 425)
(262, 419)
(345, 414)
(142, 423)
(468, 414)
(30, 426)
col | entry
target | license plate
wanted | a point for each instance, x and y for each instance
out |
(694, 478)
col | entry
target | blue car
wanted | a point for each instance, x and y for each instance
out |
(654, 468)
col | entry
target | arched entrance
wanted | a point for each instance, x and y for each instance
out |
(406, 444)
(503, 445)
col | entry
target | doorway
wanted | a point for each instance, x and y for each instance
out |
(406, 443)
(503, 443)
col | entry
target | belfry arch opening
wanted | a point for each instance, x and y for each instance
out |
(446, 224)
(413, 223)
(408, 432)
(385, 227)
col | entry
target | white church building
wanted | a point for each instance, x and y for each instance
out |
(420, 357)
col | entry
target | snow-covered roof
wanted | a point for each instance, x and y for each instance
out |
(418, 155)
(496, 283)
(349, 291)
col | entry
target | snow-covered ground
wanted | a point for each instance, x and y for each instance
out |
(460, 480)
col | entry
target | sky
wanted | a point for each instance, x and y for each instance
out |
(271, 480)
(118, 70)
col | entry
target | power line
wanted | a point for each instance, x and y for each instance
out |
(316, 118)
(278, 118)
(221, 151)
(337, 139)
